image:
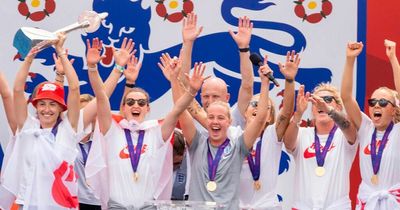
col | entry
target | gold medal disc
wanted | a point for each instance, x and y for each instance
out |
(136, 176)
(257, 185)
(374, 179)
(320, 171)
(211, 186)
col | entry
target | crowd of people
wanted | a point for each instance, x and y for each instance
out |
(77, 154)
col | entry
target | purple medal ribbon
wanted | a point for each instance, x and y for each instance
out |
(134, 153)
(84, 153)
(54, 130)
(213, 163)
(320, 156)
(376, 157)
(255, 164)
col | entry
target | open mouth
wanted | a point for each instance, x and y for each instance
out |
(136, 113)
(377, 115)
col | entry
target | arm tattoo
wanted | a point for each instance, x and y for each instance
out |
(194, 108)
(339, 119)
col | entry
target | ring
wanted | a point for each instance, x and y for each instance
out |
(291, 60)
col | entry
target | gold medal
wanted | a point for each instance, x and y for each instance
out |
(136, 176)
(211, 186)
(257, 185)
(374, 179)
(320, 171)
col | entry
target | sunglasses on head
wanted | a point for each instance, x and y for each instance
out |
(382, 102)
(140, 102)
(328, 99)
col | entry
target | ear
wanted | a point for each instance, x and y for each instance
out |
(228, 96)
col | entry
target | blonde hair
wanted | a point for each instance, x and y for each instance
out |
(224, 105)
(330, 88)
(272, 110)
(396, 97)
(85, 98)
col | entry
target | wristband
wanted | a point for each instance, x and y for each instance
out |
(119, 68)
(289, 80)
(92, 68)
(130, 85)
(247, 49)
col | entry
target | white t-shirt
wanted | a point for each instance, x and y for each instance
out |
(266, 196)
(389, 172)
(330, 191)
(40, 168)
(123, 189)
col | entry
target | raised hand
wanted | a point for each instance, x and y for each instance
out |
(354, 49)
(390, 48)
(264, 70)
(32, 54)
(302, 100)
(290, 68)
(319, 103)
(243, 36)
(170, 66)
(126, 51)
(132, 71)
(197, 79)
(93, 53)
(59, 44)
(58, 64)
(190, 31)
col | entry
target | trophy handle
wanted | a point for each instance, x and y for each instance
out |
(73, 27)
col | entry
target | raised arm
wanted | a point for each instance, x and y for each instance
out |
(60, 73)
(353, 111)
(290, 138)
(103, 104)
(190, 32)
(340, 119)
(252, 131)
(6, 96)
(73, 83)
(121, 57)
(183, 102)
(242, 39)
(131, 74)
(20, 105)
(391, 54)
(289, 70)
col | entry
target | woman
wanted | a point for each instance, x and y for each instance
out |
(133, 171)
(323, 154)
(258, 179)
(217, 160)
(378, 134)
(45, 147)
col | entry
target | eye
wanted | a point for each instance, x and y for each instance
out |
(126, 30)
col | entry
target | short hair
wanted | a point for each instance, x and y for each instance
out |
(179, 143)
(136, 89)
(223, 104)
(330, 88)
(396, 98)
(85, 97)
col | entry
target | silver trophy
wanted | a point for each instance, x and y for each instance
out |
(27, 38)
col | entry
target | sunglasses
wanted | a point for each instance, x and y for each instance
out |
(382, 102)
(140, 102)
(328, 99)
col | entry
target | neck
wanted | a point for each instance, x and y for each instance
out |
(217, 142)
(382, 127)
(47, 125)
(324, 127)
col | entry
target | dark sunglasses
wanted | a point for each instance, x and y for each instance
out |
(382, 102)
(328, 99)
(140, 102)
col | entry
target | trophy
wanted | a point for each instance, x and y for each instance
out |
(27, 38)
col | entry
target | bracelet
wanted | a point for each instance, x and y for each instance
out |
(59, 74)
(62, 53)
(246, 49)
(130, 85)
(119, 68)
(59, 80)
(289, 80)
(92, 68)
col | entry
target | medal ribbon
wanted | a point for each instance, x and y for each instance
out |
(320, 156)
(254, 165)
(134, 153)
(376, 157)
(54, 130)
(84, 153)
(213, 163)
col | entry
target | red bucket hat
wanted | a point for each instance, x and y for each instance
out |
(49, 90)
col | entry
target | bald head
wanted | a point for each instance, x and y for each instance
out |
(214, 89)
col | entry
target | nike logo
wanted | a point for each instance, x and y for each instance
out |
(367, 149)
(309, 152)
(124, 153)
